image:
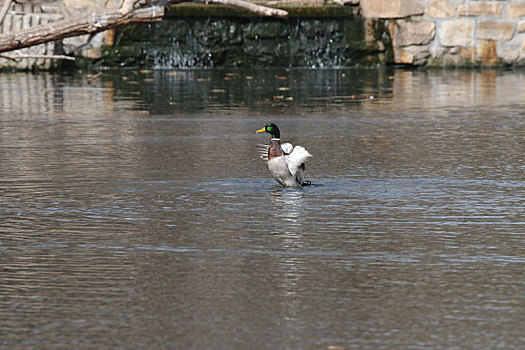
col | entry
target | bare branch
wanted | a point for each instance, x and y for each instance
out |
(77, 26)
(258, 9)
(53, 57)
(4, 10)
(151, 11)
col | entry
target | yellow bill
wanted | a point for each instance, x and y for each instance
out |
(262, 130)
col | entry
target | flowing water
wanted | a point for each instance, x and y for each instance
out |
(135, 213)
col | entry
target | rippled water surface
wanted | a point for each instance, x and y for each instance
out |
(135, 213)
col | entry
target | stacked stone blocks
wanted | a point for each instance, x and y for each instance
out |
(453, 32)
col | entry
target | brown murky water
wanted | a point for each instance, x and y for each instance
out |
(134, 212)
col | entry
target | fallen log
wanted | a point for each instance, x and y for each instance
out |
(4, 10)
(153, 11)
(46, 57)
(92, 24)
(257, 9)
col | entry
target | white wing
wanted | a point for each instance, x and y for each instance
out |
(287, 148)
(296, 161)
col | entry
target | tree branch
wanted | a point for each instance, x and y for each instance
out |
(53, 57)
(258, 9)
(77, 26)
(152, 11)
(4, 10)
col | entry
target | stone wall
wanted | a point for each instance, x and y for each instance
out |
(453, 32)
(411, 32)
(317, 33)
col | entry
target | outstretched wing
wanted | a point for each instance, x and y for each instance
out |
(287, 148)
(263, 151)
(296, 161)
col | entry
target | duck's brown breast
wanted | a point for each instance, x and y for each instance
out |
(275, 150)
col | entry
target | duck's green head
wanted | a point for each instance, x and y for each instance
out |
(271, 129)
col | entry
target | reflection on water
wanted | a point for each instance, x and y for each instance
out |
(135, 212)
(289, 206)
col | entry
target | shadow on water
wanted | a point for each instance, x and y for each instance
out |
(135, 211)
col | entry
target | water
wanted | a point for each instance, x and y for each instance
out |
(135, 214)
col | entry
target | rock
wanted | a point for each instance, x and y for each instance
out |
(439, 9)
(521, 26)
(390, 8)
(508, 55)
(457, 32)
(73, 43)
(411, 32)
(516, 10)
(416, 55)
(495, 30)
(480, 9)
(274, 29)
(82, 7)
(86, 45)
(93, 53)
(468, 54)
(459, 56)
(489, 52)
(403, 56)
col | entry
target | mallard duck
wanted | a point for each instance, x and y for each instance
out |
(285, 162)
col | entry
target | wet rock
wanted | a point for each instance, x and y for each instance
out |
(416, 55)
(411, 32)
(267, 30)
(489, 52)
(250, 42)
(308, 29)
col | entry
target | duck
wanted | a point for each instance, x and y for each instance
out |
(285, 162)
